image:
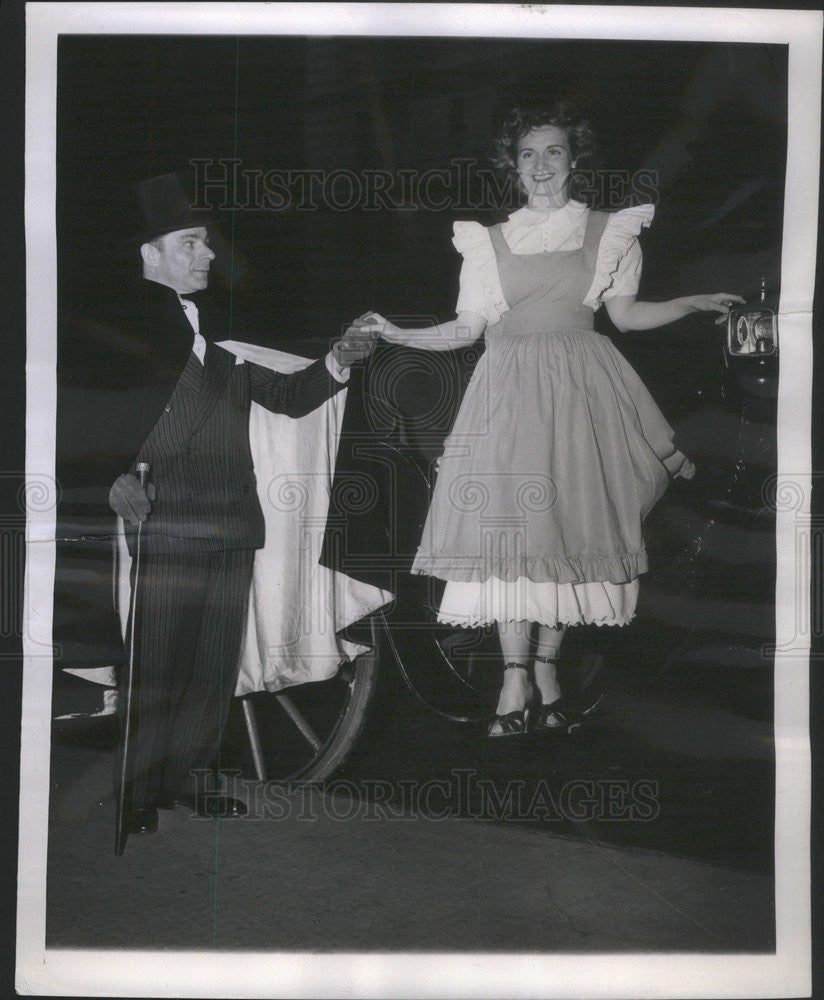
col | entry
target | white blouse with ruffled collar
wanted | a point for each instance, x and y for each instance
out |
(618, 265)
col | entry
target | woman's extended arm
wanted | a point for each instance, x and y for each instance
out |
(627, 313)
(462, 331)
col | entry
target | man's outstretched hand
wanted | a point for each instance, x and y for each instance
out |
(356, 344)
(130, 500)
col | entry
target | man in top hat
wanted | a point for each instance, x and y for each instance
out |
(182, 408)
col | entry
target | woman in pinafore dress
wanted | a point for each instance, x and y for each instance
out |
(558, 451)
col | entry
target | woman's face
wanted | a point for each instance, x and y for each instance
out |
(544, 164)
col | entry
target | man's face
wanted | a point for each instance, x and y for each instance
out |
(180, 260)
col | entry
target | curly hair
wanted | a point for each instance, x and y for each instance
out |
(564, 115)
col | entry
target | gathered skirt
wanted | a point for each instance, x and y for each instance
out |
(557, 455)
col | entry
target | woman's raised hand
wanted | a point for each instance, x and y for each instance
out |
(376, 323)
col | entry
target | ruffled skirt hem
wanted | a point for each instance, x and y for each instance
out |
(487, 622)
(471, 605)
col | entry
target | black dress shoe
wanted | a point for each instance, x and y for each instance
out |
(212, 805)
(143, 820)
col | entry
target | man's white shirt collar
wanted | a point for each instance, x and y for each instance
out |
(199, 346)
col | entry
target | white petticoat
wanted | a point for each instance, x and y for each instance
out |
(470, 604)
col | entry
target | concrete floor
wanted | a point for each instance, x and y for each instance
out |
(344, 870)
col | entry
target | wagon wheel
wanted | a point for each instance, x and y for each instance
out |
(304, 733)
(448, 668)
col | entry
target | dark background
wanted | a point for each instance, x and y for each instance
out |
(709, 119)
(707, 122)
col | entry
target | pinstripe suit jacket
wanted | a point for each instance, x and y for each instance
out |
(117, 370)
(199, 456)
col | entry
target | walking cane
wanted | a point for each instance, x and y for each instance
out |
(124, 798)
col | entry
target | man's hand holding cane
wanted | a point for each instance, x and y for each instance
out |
(131, 498)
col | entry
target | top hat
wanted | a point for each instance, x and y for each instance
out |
(166, 207)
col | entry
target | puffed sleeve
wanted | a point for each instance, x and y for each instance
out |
(480, 286)
(618, 265)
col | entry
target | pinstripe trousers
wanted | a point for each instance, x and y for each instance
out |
(190, 612)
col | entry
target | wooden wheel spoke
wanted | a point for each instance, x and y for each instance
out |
(299, 721)
(316, 725)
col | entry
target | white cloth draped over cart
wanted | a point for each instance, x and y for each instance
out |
(296, 606)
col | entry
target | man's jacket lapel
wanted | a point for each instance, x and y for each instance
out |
(218, 366)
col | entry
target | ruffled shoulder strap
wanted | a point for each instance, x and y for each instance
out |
(629, 222)
(619, 238)
(473, 242)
